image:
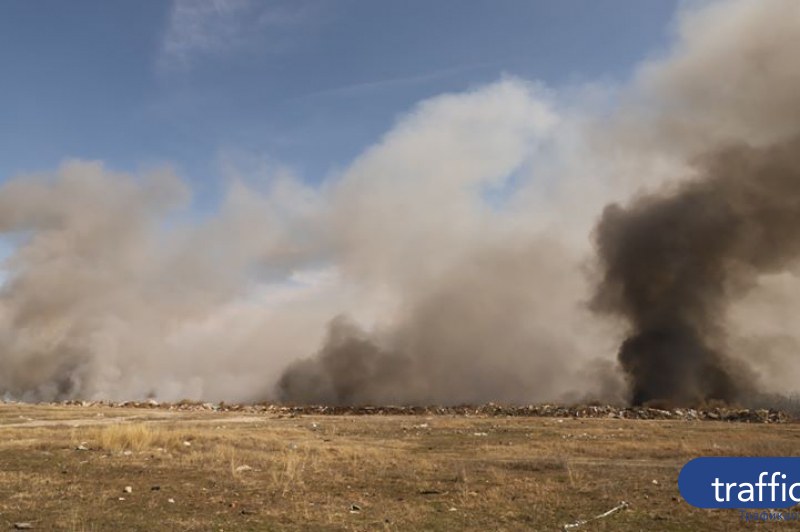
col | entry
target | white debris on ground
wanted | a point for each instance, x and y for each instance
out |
(621, 506)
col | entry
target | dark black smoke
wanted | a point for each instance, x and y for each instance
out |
(672, 262)
(351, 369)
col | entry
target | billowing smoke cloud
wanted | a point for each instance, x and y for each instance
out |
(480, 332)
(673, 261)
(454, 260)
(114, 290)
(483, 306)
(676, 262)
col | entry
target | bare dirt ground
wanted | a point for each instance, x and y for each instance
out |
(100, 468)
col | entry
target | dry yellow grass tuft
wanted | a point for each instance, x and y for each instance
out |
(135, 437)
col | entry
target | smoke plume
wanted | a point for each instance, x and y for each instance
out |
(497, 244)
(672, 262)
(682, 265)
(480, 333)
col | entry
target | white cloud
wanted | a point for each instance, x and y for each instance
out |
(199, 28)
(358, 89)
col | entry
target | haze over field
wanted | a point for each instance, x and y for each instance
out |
(499, 243)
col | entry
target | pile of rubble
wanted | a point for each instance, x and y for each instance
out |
(743, 415)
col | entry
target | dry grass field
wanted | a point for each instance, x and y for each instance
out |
(99, 468)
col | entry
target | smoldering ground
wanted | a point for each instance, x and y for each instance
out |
(460, 252)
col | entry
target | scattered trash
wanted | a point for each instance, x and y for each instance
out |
(621, 506)
(121, 499)
(655, 482)
(722, 413)
(23, 526)
(480, 434)
(128, 489)
(187, 444)
(82, 447)
(452, 509)
(171, 500)
(243, 468)
(355, 508)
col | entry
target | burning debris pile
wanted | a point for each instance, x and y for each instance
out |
(741, 415)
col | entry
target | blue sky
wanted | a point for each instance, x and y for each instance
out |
(304, 83)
